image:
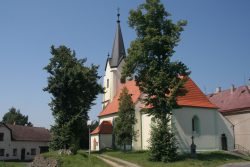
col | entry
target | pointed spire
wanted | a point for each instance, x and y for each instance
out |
(118, 52)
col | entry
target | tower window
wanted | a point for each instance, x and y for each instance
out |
(107, 83)
(195, 125)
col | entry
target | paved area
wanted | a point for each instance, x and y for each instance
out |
(116, 162)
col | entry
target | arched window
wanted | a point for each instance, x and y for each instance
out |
(107, 83)
(195, 125)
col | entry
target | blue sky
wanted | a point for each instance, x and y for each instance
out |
(215, 44)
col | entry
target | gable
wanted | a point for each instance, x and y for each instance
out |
(6, 132)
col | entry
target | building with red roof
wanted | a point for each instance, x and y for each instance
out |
(234, 104)
(197, 116)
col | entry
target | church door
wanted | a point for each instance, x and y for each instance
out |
(23, 154)
(224, 142)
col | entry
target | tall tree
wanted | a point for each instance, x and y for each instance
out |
(124, 123)
(15, 117)
(73, 87)
(158, 77)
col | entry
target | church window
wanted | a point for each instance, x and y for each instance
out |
(195, 125)
(107, 83)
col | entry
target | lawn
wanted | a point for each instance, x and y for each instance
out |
(12, 164)
(81, 159)
(211, 159)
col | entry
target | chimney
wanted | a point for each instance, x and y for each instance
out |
(232, 88)
(218, 89)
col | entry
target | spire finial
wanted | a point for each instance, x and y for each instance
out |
(118, 15)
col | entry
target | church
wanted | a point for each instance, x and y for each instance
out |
(197, 117)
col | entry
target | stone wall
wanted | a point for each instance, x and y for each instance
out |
(40, 161)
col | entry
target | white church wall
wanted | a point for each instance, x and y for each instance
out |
(105, 141)
(146, 129)
(114, 77)
(108, 76)
(225, 127)
(110, 118)
(205, 139)
(94, 142)
(137, 144)
(211, 124)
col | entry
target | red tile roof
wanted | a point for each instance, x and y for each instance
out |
(112, 107)
(26, 133)
(104, 128)
(228, 101)
(194, 97)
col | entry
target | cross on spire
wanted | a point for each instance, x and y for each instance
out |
(118, 15)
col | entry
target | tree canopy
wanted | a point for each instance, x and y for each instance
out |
(124, 123)
(149, 62)
(73, 87)
(14, 116)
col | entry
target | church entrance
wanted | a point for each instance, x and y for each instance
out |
(224, 142)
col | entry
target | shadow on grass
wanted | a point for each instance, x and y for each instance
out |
(212, 156)
(84, 154)
(206, 156)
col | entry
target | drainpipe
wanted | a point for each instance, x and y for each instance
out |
(233, 135)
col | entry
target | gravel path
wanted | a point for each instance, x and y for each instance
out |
(241, 164)
(116, 162)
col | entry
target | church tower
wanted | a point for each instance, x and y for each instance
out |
(113, 67)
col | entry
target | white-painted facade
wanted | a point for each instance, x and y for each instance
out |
(105, 140)
(101, 141)
(211, 127)
(111, 82)
(110, 118)
(95, 142)
(241, 122)
(25, 150)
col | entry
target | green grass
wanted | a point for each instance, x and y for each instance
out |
(211, 159)
(12, 164)
(81, 159)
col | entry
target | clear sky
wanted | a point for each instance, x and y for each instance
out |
(215, 44)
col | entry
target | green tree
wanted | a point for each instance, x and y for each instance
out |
(124, 123)
(73, 87)
(158, 77)
(15, 117)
